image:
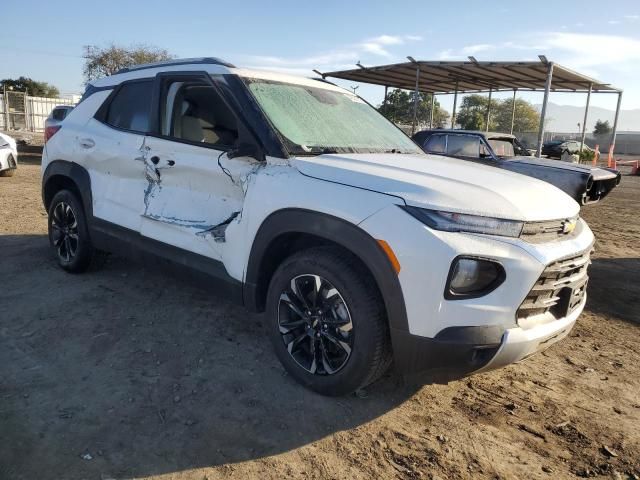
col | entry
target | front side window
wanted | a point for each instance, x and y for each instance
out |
(463, 146)
(129, 109)
(502, 147)
(316, 120)
(193, 111)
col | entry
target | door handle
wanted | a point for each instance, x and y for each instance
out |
(156, 160)
(87, 143)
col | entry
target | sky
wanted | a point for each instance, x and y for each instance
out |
(600, 39)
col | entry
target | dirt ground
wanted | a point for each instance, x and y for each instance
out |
(130, 373)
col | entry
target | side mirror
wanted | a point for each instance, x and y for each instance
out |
(247, 150)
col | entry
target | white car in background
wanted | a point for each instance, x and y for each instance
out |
(8, 156)
(54, 121)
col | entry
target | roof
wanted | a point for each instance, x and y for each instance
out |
(472, 77)
(177, 61)
(211, 65)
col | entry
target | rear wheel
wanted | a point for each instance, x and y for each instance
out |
(69, 234)
(327, 321)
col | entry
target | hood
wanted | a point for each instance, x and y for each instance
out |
(444, 183)
(596, 172)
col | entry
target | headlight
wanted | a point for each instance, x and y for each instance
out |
(471, 277)
(460, 222)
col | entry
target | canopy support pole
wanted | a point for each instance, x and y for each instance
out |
(614, 132)
(543, 113)
(433, 106)
(513, 111)
(584, 122)
(488, 110)
(455, 101)
(415, 101)
(384, 102)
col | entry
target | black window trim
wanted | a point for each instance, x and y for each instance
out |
(155, 121)
(103, 111)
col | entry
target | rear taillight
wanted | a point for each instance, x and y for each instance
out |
(50, 132)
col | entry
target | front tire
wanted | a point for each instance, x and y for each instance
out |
(69, 233)
(327, 321)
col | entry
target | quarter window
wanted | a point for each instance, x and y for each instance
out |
(130, 107)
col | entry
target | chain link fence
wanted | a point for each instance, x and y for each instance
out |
(21, 112)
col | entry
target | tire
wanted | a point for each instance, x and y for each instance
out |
(348, 330)
(69, 233)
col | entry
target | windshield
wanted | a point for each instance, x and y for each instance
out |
(315, 120)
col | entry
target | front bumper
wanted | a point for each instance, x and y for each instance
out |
(448, 339)
(460, 351)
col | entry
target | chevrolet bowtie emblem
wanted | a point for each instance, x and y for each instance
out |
(568, 226)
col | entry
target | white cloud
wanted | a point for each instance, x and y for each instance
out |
(613, 22)
(337, 59)
(632, 17)
(587, 52)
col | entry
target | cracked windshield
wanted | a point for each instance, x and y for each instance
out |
(318, 120)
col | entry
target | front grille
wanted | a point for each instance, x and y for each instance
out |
(560, 289)
(548, 231)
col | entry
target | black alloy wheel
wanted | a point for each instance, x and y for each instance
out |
(64, 232)
(315, 324)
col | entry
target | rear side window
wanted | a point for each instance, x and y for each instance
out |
(129, 109)
(435, 144)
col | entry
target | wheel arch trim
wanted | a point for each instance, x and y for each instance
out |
(76, 174)
(333, 229)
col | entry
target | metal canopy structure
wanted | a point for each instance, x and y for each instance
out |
(441, 77)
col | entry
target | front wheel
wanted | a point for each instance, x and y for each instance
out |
(327, 321)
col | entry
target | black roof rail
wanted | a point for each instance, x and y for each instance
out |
(177, 61)
(323, 80)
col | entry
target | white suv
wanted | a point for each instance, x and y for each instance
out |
(300, 200)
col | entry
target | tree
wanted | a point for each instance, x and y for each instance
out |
(103, 61)
(33, 88)
(527, 117)
(399, 109)
(602, 128)
(473, 114)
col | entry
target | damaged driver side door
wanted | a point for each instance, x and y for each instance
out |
(193, 190)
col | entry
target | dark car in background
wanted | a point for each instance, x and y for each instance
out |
(584, 183)
(555, 148)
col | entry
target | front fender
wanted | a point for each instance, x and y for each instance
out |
(336, 230)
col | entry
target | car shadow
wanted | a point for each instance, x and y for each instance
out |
(129, 372)
(614, 288)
